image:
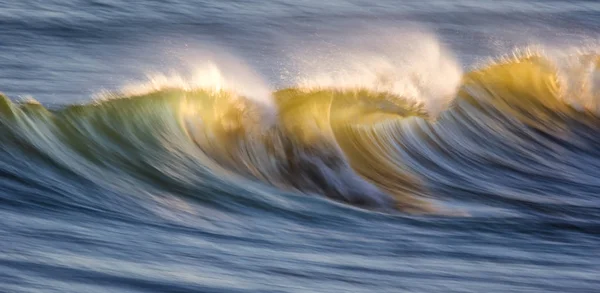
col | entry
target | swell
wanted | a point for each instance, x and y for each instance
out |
(515, 117)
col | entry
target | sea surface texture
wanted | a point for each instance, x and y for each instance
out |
(299, 146)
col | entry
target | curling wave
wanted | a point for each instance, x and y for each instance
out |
(366, 147)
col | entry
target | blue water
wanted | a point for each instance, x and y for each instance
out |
(99, 195)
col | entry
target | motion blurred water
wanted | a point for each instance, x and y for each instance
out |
(299, 146)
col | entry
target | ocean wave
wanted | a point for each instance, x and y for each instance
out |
(369, 147)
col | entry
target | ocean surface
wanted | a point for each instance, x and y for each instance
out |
(299, 146)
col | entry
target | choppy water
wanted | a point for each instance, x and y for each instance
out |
(300, 146)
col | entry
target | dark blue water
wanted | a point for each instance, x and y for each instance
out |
(180, 186)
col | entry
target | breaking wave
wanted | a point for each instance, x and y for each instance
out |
(371, 145)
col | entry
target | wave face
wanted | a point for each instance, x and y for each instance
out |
(527, 118)
(167, 137)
